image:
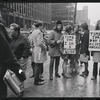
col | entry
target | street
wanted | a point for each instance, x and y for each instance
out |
(76, 86)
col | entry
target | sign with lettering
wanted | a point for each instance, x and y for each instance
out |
(94, 41)
(69, 44)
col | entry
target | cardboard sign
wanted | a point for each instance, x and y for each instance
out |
(94, 41)
(69, 44)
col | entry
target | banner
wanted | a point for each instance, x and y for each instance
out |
(69, 44)
(94, 41)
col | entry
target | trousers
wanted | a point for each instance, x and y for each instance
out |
(52, 59)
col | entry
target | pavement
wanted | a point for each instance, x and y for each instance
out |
(76, 86)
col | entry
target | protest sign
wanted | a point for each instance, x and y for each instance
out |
(69, 44)
(94, 41)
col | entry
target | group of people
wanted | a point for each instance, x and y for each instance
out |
(15, 49)
(55, 42)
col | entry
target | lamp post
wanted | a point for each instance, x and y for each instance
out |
(75, 13)
(14, 17)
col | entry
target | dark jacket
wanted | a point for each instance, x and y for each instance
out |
(85, 43)
(20, 46)
(5, 33)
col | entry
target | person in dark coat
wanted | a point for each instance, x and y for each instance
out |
(7, 61)
(54, 51)
(20, 45)
(84, 47)
(96, 57)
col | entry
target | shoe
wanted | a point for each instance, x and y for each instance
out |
(57, 75)
(63, 74)
(82, 74)
(38, 83)
(51, 78)
(93, 78)
(20, 94)
(41, 80)
(86, 73)
(31, 76)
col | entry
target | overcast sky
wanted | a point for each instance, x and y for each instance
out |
(93, 11)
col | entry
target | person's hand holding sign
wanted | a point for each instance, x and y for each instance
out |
(59, 41)
(84, 54)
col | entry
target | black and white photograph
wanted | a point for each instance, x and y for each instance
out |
(49, 50)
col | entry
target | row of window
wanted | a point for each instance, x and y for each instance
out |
(35, 10)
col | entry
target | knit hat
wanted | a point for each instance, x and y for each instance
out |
(58, 22)
(38, 23)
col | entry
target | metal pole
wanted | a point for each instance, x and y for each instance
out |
(75, 13)
(14, 17)
(68, 15)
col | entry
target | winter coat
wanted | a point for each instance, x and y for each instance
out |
(53, 46)
(85, 43)
(20, 46)
(39, 51)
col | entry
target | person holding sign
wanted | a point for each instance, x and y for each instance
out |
(84, 52)
(96, 57)
(67, 58)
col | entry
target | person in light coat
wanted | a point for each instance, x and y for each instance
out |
(96, 57)
(39, 52)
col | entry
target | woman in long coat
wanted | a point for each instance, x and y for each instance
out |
(84, 48)
(96, 57)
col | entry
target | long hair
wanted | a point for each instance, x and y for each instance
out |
(56, 29)
(68, 28)
(85, 26)
(97, 27)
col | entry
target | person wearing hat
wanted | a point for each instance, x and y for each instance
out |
(39, 55)
(84, 52)
(54, 51)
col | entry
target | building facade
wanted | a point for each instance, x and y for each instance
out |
(25, 13)
(82, 16)
(64, 12)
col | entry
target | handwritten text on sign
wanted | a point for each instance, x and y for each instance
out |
(94, 41)
(69, 44)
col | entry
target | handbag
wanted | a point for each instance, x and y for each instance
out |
(13, 82)
(84, 58)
